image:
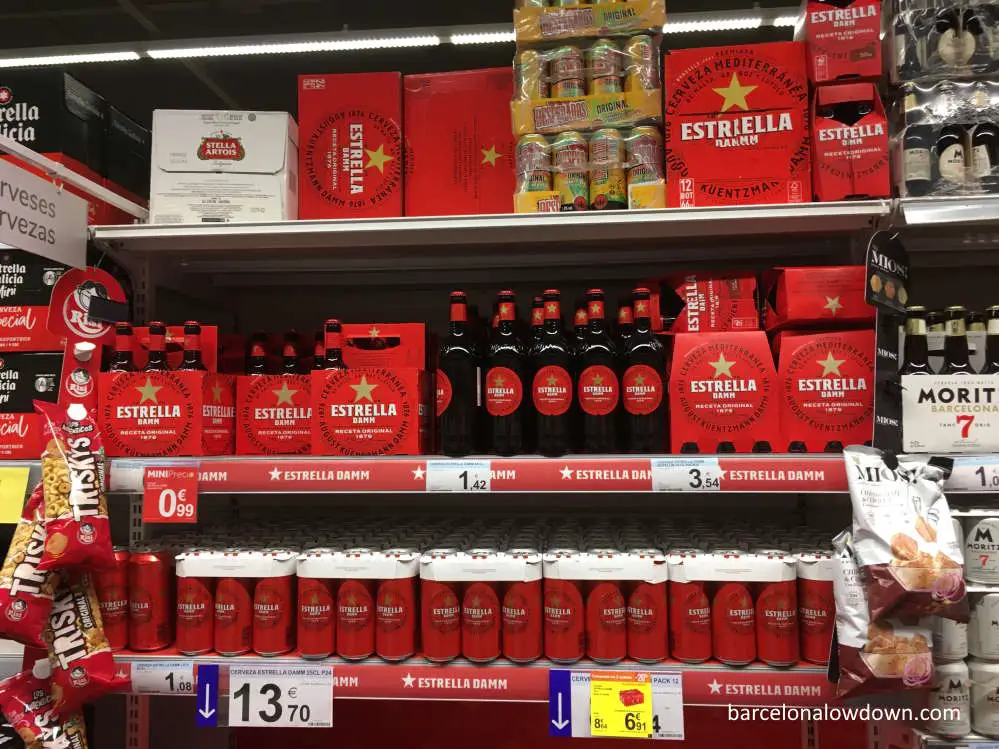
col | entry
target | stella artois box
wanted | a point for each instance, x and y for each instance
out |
(842, 39)
(386, 345)
(703, 302)
(827, 297)
(371, 411)
(221, 166)
(827, 390)
(26, 283)
(175, 346)
(167, 414)
(459, 147)
(540, 24)
(950, 414)
(273, 415)
(850, 154)
(25, 378)
(723, 391)
(351, 161)
(737, 128)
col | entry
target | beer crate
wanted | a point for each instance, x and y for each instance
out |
(827, 297)
(704, 302)
(842, 41)
(536, 23)
(274, 415)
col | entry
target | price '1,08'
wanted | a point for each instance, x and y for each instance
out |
(174, 504)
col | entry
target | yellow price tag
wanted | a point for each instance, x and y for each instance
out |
(621, 704)
(13, 487)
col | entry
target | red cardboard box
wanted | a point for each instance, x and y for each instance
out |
(371, 411)
(827, 390)
(828, 297)
(274, 415)
(850, 152)
(26, 283)
(459, 146)
(737, 128)
(350, 145)
(723, 393)
(25, 378)
(167, 414)
(843, 39)
(385, 345)
(703, 302)
(175, 346)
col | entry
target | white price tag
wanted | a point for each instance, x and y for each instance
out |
(281, 697)
(667, 706)
(974, 474)
(163, 677)
(458, 475)
(686, 475)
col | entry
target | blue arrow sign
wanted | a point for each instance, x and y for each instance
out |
(207, 715)
(559, 702)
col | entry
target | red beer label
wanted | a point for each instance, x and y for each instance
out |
(611, 609)
(696, 609)
(737, 607)
(444, 611)
(275, 415)
(315, 607)
(562, 608)
(723, 387)
(149, 413)
(777, 609)
(598, 390)
(354, 605)
(504, 391)
(364, 412)
(268, 603)
(843, 42)
(114, 604)
(815, 606)
(479, 608)
(642, 612)
(443, 392)
(516, 612)
(552, 391)
(391, 612)
(828, 384)
(193, 608)
(140, 606)
(642, 389)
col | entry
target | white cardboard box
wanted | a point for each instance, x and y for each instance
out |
(220, 167)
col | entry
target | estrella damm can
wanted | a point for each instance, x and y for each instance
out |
(534, 164)
(569, 161)
(607, 179)
(642, 64)
(565, 70)
(532, 83)
(603, 67)
(645, 155)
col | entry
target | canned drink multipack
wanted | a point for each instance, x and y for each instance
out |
(816, 604)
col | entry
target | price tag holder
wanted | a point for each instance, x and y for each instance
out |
(13, 487)
(621, 704)
(974, 474)
(686, 475)
(170, 494)
(458, 475)
(281, 697)
(163, 677)
(572, 712)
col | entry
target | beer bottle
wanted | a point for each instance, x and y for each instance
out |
(123, 357)
(935, 321)
(256, 360)
(551, 388)
(643, 384)
(458, 382)
(951, 161)
(537, 318)
(907, 57)
(192, 348)
(977, 23)
(991, 341)
(319, 351)
(333, 345)
(945, 43)
(625, 321)
(956, 342)
(289, 353)
(916, 360)
(505, 374)
(976, 323)
(157, 348)
(985, 156)
(597, 386)
(917, 147)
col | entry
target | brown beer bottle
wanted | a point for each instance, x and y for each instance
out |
(505, 382)
(552, 385)
(319, 351)
(643, 383)
(333, 342)
(956, 342)
(256, 360)
(192, 348)
(123, 357)
(157, 348)
(598, 389)
(289, 353)
(458, 395)
(916, 360)
(537, 318)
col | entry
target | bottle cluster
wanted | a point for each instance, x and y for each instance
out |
(942, 39)
(126, 346)
(955, 324)
(597, 387)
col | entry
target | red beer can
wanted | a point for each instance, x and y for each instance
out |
(606, 617)
(112, 593)
(441, 619)
(233, 615)
(777, 622)
(733, 623)
(316, 604)
(565, 612)
(480, 621)
(355, 626)
(195, 610)
(395, 608)
(816, 605)
(150, 609)
(274, 604)
(647, 608)
(522, 629)
(690, 621)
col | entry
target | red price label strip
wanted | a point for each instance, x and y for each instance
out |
(170, 495)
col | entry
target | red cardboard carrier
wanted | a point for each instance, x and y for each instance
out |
(273, 415)
(827, 297)
(843, 39)
(703, 302)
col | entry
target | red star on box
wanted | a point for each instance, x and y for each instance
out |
(5, 95)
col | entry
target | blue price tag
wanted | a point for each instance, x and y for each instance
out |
(207, 715)
(559, 702)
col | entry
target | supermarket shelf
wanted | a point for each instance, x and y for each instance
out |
(924, 740)
(950, 210)
(502, 681)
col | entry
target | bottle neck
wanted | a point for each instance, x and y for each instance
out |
(124, 348)
(595, 314)
(157, 351)
(553, 316)
(507, 317)
(916, 346)
(192, 350)
(625, 318)
(643, 324)
(459, 318)
(956, 344)
(333, 343)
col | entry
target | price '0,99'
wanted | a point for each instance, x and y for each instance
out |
(170, 495)
(174, 504)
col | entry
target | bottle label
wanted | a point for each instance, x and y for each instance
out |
(443, 392)
(552, 391)
(598, 390)
(289, 351)
(504, 391)
(642, 389)
(459, 312)
(981, 164)
(952, 163)
(192, 342)
(916, 164)
(956, 47)
(257, 350)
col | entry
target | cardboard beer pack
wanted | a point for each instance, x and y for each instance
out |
(704, 301)
(351, 156)
(175, 346)
(25, 378)
(26, 283)
(823, 296)
(723, 394)
(459, 146)
(737, 128)
(827, 389)
(273, 414)
(842, 39)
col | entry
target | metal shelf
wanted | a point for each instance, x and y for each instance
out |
(968, 209)
(925, 740)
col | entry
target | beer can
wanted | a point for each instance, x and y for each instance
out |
(395, 619)
(565, 622)
(984, 706)
(195, 615)
(273, 615)
(569, 157)
(645, 155)
(950, 701)
(950, 639)
(689, 621)
(151, 591)
(603, 67)
(642, 64)
(233, 615)
(816, 605)
(112, 593)
(733, 623)
(777, 622)
(565, 69)
(480, 621)
(534, 164)
(981, 550)
(607, 178)
(647, 621)
(983, 626)
(441, 620)
(522, 633)
(355, 626)
(316, 617)
(531, 81)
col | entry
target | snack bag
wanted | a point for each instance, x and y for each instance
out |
(27, 703)
(9, 738)
(79, 653)
(903, 535)
(78, 532)
(874, 656)
(25, 591)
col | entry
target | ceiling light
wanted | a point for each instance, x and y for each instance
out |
(784, 21)
(721, 24)
(332, 45)
(25, 62)
(487, 37)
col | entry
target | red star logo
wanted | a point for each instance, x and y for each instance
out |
(5, 95)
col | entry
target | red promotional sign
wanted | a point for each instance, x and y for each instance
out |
(69, 308)
(170, 495)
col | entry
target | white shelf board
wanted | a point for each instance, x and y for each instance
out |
(937, 211)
